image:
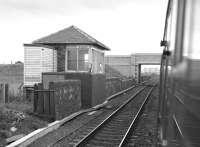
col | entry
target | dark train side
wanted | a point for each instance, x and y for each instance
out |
(179, 113)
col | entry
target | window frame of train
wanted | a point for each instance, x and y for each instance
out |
(170, 38)
(174, 132)
(173, 35)
(181, 48)
(192, 31)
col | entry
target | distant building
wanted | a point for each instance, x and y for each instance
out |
(18, 62)
(150, 70)
(70, 49)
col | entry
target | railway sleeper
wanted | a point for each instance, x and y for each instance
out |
(117, 136)
(101, 138)
(117, 127)
(108, 136)
(100, 142)
(112, 132)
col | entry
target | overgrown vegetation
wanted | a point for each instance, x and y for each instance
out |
(16, 118)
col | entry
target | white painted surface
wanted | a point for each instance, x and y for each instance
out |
(36, 61)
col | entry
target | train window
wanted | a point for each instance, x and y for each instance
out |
(172, 26)
(191, 47)
(192, 30)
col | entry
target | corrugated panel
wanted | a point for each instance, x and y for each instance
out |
(36, 61)
(32, 65)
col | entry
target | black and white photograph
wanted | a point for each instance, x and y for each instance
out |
(100, 73)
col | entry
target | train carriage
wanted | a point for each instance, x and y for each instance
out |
(179, 112)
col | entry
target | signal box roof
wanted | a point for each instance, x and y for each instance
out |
(70, 35)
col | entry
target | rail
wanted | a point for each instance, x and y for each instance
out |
(86, 139)
(131, 127)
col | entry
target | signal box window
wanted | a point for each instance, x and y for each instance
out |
(72, 60)
(77, 59)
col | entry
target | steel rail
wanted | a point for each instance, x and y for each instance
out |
(109, 98)
(126, 90)
(84, 141)
(136, 117)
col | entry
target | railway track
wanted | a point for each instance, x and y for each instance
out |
(114, 130)
(142, 132)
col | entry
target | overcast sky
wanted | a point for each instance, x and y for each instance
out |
(126, 26)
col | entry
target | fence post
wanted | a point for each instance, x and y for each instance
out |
(52, 100)
(4, 93)
(46, 96)
(6, 90)
(35, 98)
(40, 102)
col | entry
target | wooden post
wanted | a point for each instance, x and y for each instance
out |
(52, 100)
(40, 104)
(6, 91)
(46, 96)
(35, 98)
(3, 93)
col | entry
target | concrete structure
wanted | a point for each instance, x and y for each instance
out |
(130, 65)
(92, 85)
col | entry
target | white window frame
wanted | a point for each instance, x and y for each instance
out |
(77, 54)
